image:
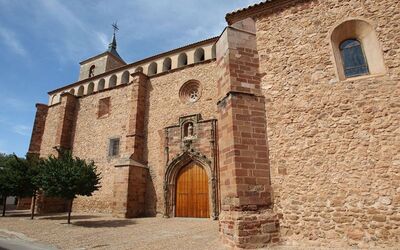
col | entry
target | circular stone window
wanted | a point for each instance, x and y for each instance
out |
(190, 91)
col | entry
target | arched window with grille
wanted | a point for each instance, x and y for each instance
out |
(356, 49)
(353, 58)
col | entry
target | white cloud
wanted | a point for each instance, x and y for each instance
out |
(103, 38)
(14, 103)
(22, 130)
(10, 40)
(62, 14)
(16, 128)
(76, 37)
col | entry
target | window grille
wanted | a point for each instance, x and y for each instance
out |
(353, 58)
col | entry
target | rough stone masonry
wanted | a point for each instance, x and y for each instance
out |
(296, 151)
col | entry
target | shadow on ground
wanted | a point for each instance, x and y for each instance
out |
(103, 223)
(65, 217)
(18, 213)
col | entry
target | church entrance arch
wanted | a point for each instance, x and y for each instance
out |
(192, 197)
(190, 187)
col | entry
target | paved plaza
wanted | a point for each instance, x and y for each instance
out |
(99, 231)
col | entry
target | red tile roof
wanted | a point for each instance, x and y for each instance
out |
(251, 10)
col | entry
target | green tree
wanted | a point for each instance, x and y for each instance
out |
(68, 176)
(30, 183)
(6, 179)
(15, 178)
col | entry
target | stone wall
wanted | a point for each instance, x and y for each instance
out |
(334, 145)
(91, 141)
(90, 134)
(165, 108)
(50, 131)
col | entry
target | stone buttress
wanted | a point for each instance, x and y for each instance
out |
(130, 173)
(246, 219)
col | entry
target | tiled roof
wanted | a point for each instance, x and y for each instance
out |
(252, 9)
(247, 8)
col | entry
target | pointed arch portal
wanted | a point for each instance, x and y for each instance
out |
(190, 187)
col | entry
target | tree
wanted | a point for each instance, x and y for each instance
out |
(31, 180)
(6, 183)
(14, 178)
(68, 176)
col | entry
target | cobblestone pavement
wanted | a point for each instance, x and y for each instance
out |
(100, 231)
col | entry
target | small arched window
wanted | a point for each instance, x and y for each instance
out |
(167, 64)
(91, 71)
(101, 85)
(113, 81)
(90, 88)
(81, 90)
(199, 55)
(72, 91)
(356, 49)
(152, 70)
(125, 77)
(353, 58)
(182, 60)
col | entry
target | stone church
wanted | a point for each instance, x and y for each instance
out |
(285, 128)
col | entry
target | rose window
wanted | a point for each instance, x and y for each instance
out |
(190, 92)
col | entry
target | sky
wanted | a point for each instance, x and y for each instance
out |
(43, 41)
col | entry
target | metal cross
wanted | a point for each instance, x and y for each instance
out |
(115, 26)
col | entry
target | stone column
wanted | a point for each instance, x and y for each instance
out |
(131, 173)
(247, 219)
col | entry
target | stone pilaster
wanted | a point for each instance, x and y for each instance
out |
(38, 129)
(247, 219)
(64, 140)
(129, 189)
(65, 129)
(131, 173)
(136, 124)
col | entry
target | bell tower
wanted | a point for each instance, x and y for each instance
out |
(108, 60)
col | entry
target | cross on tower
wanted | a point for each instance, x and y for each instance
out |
(115, 26)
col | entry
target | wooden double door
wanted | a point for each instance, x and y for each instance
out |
(192, 192)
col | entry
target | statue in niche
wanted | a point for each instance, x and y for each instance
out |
(188, 131)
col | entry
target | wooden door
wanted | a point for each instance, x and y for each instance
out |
(192, 192)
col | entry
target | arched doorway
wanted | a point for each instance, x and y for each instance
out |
(192, 197)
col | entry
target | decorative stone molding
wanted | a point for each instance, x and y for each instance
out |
(192, 140)
(190, 91)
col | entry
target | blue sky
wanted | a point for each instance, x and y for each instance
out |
(43, 41)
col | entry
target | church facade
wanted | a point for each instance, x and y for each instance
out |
(285, 127)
